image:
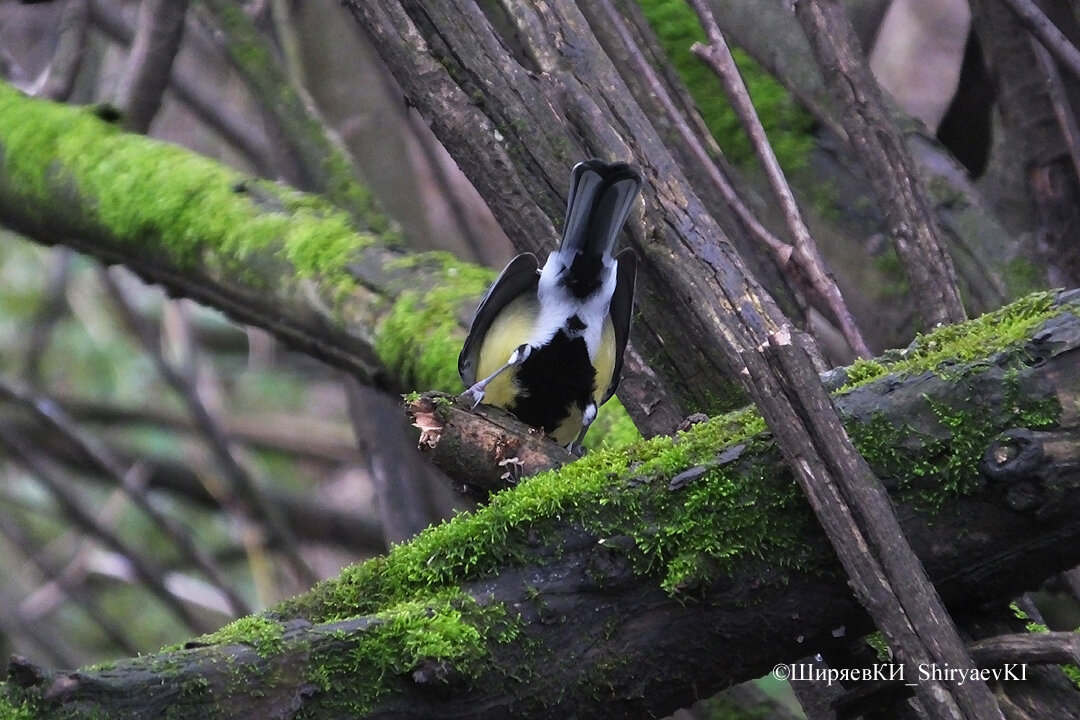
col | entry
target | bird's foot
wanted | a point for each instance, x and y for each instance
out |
(474, 394)
(577, 449)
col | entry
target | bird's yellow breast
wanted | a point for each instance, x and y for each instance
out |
(510, 329)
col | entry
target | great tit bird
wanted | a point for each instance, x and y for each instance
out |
(549, 344)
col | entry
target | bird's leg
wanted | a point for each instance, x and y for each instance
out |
(476, 392)
(588, 414)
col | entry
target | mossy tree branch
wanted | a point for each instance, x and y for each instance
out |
(695, 555)
(266, 255)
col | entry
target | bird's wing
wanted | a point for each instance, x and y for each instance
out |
(519, 276)
(622, 311)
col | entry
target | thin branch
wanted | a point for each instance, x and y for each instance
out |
(1059, 99)
(322, 163)
(203, 99)
(151, 574)
(1049, 35)
(41, 637)
(695, 141)
(52, 310)
(58, 80)
(299, 436)
(157, 40)
(63, 581)
(895, 178)
(806, 255)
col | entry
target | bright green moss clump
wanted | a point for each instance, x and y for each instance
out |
(961, 343)
(165, 201)
(421, 336)
(265, 636)
(442, 635)
(11, 709)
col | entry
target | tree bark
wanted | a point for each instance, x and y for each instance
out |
(548, 601)
(896, 180)
(1038, 147)
(980, 246)
(149, 63)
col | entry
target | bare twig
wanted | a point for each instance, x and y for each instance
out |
(42, 637)
(321, 163)
(313, 519)
(893, 173)
(1048, 34)
(1059, 98)
(78, 594)
(157, 40)
(242, 486)
(805, 253)
(203, 99)
(696, 141)
(53, 308)
(302, 437)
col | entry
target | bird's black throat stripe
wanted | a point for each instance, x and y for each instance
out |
(554, 377)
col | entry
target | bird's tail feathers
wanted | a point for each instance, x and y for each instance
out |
(598, 204)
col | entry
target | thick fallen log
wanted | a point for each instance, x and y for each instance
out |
(632, 581)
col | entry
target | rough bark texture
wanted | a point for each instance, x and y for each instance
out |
(548, 601)
(854, 509)
(895, 178)
(979, 244)
(484, 448)
(161, 25)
